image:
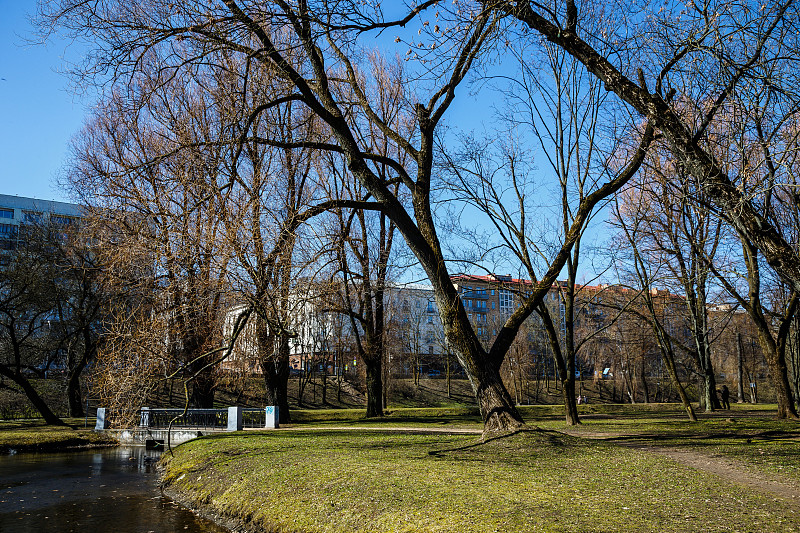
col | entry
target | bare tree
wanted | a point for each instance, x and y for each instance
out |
(646, 267)
(707, 52)
(28, 303)
(315, 49)
(156, 208)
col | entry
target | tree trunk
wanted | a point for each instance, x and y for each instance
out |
(33, 397)
(645, 388)
(665, 345)
(739, 369)
(565, 369)
(708, 384)
(496, 406)
(570, 402)
(374, 387)
(780, 380)
(74, 395)
(276, 392)
(202, 395)
(275, 367)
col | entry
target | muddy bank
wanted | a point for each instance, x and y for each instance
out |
(204, 510)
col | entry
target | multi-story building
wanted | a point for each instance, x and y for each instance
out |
(17, 211)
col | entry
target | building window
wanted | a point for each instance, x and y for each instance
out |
(61, 219)
(6, 213)
(506, 298)
(32, 217)
(8, 230)
(492, 292)
(492, 305)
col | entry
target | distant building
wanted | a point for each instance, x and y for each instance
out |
(17, 211)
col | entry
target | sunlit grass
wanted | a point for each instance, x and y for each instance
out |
(35, 435)
(328, 480)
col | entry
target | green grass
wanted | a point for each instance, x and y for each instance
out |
(337, 481)
(763, 443)
(35, 435)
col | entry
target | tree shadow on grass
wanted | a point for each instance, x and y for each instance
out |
(537, 436)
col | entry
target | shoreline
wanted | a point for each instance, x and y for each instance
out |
(209, 512)
(53, 448)
(34, 436)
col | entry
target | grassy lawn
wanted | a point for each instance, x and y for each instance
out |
(329, 480)
(35, 435)
(762, 442)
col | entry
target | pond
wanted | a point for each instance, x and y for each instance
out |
(113, 489)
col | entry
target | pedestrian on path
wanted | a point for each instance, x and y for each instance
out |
(726, 394)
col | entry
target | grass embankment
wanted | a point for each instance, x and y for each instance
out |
(36, 436)
(349, 480)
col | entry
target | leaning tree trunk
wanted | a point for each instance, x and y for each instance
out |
(33, 396)
(775, 355)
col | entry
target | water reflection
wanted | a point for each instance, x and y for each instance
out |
(89, 492)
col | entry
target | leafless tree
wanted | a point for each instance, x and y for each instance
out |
(28, 306)
(154, 217)
(646, 267)
(315, 49)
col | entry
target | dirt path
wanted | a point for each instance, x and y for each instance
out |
(726, 468)
(733, 471)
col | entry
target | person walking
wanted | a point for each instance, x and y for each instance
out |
(726, 394)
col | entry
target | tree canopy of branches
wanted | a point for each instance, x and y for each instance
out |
(704, 52)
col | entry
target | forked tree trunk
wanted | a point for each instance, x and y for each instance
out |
(496, 406)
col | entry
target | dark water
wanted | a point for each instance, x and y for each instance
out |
(113, 490)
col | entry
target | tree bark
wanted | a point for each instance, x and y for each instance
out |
(739, 369)
(275, 368)
(374, 389)
(566, 371)
(33, 396)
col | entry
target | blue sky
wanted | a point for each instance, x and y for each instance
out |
(38, 114)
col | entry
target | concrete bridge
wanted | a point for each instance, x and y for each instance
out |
(157, 427)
